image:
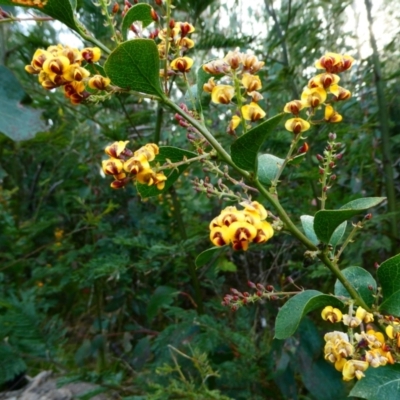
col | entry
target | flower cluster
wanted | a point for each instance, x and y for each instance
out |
(236, 299)
(125, 166)
(62, 66)
(175, 40)
(31, 3)
(317, 91)
(241, 227)
(240, 70)
(353, 356)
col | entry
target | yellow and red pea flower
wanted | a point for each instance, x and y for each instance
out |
(222, 94)
(182, 64)
(297, 125)
(331, 115)
(252, 112)
(313, 97)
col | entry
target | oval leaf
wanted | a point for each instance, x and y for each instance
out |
(326, 221)
(338, 234)
(245, 150)
(173, 154)
(389, 276)
(267, 168)
(206, 256)
(62, 10)
(138, 12)
(379, 383)
(135, 65)
(361, 280)
(17, 121)
(290, 315)
(307, 222)
(391, 305)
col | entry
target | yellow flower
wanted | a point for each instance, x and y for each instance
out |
(76, 73)
(222, 94)
(255, 208)
(234, 59)
(335, 63)
(217, 67)
(241, 234)
(209, 86)
(323, 80)
(185, 42)
(294, 107)
(251, 63)
(229, 215)
(331, 314)
(331, 115)
(354, 369)
(56, 66)
(375, 358)
(234, 123)
(114, 150)
(219, 236)
(91, 54)
(364, 316)
(313, 97)
(58, 234)
(264, 232)
(137, 164)
(340, 93)
(297, 125)
(113, 166)
(251, 82)
(150, 150)
(98, 82)
(182, 64)
(252, 112)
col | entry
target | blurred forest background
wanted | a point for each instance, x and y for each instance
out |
(101, 286)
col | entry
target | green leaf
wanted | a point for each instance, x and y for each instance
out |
(268, 166)
(17, 121)
(361, 280)
(135, 65)
(62, 10)
(226, 265)
(307, 222)
(326, 221)
(245, 150)
(389, 276)
(391, 305)
(338, 234)
(162, 296)
(379, 383)
(206, 256)
(139, 12)
(290, 315)
(174, 155)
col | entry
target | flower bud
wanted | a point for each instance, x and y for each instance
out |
(154, 15)
(115, 8)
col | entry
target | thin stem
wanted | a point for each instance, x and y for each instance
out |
(168, 19)
(336, 271)
(157, 131)
(94, 41)
(110, 20)
(293, 146)
(239, 100)
(179, 163)
(15, 19)
(348, 240)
